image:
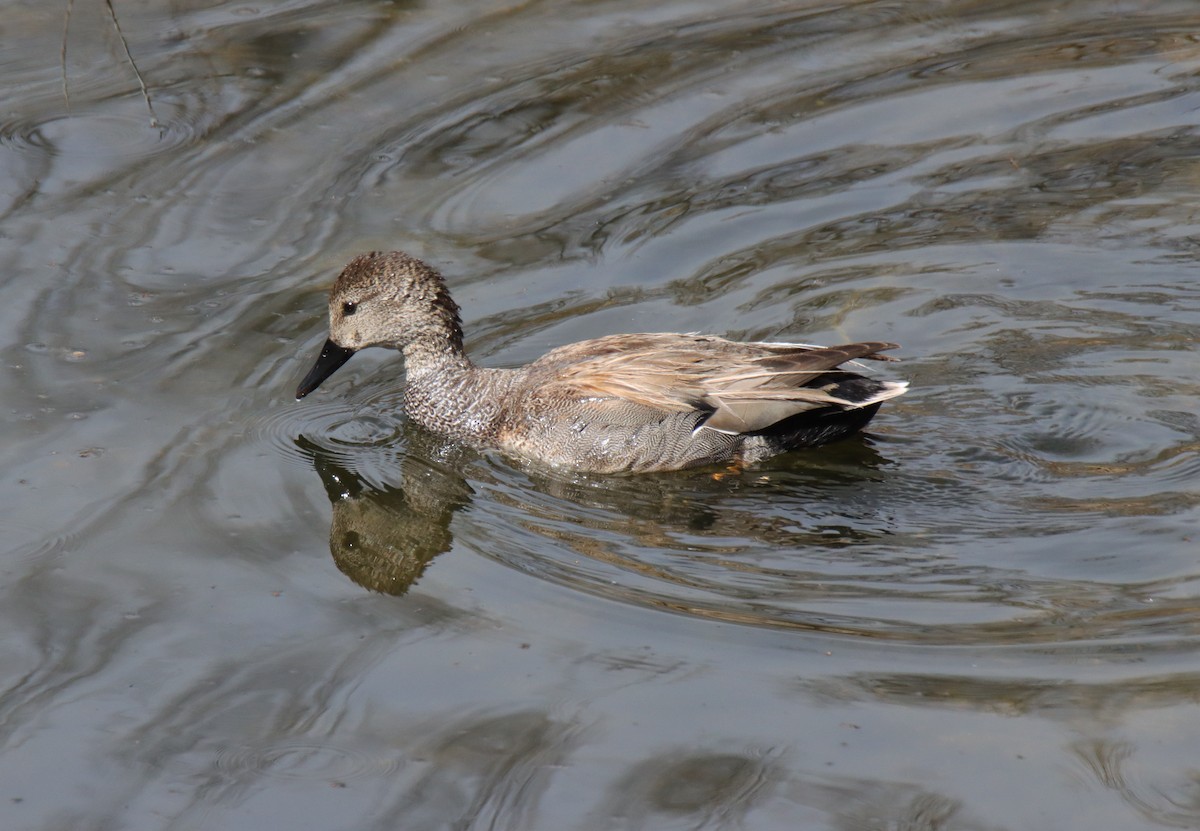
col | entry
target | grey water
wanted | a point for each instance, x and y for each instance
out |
(223, 609)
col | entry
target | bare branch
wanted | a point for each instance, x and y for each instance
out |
(154, 122)
(62, 55)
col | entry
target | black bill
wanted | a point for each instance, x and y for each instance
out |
(332, 356)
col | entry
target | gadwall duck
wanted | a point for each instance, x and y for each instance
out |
(621, 403)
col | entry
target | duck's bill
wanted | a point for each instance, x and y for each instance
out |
(331, 358)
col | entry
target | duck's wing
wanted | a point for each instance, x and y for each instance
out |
(740, 387)
(752, 398)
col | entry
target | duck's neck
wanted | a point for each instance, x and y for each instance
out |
(444, 391)
(438, 341)
(455, 398)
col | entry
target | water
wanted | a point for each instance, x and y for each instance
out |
(224, 609)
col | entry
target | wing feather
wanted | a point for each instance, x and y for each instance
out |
(740, 387)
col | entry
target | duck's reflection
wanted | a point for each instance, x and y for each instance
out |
(384, 533)
(393, 504)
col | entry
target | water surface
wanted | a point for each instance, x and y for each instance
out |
(225, 609)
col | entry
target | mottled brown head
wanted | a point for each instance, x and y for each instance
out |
(389, 300)
(385, 299)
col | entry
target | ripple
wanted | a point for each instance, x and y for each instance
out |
(96, 140)
(25, 539)
(28, 542)
(765, 548)
(309, 762)
(343, 431)
(840, 541)
(1167, 802)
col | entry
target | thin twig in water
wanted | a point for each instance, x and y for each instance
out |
(129, 57)
(62, 54)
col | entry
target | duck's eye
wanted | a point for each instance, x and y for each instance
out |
(349, 308)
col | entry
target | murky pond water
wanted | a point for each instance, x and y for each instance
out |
(221, 608)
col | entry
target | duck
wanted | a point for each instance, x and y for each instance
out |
(622, 403)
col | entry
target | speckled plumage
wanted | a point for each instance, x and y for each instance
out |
(621, 403)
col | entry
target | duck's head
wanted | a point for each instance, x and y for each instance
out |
(383, 299)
